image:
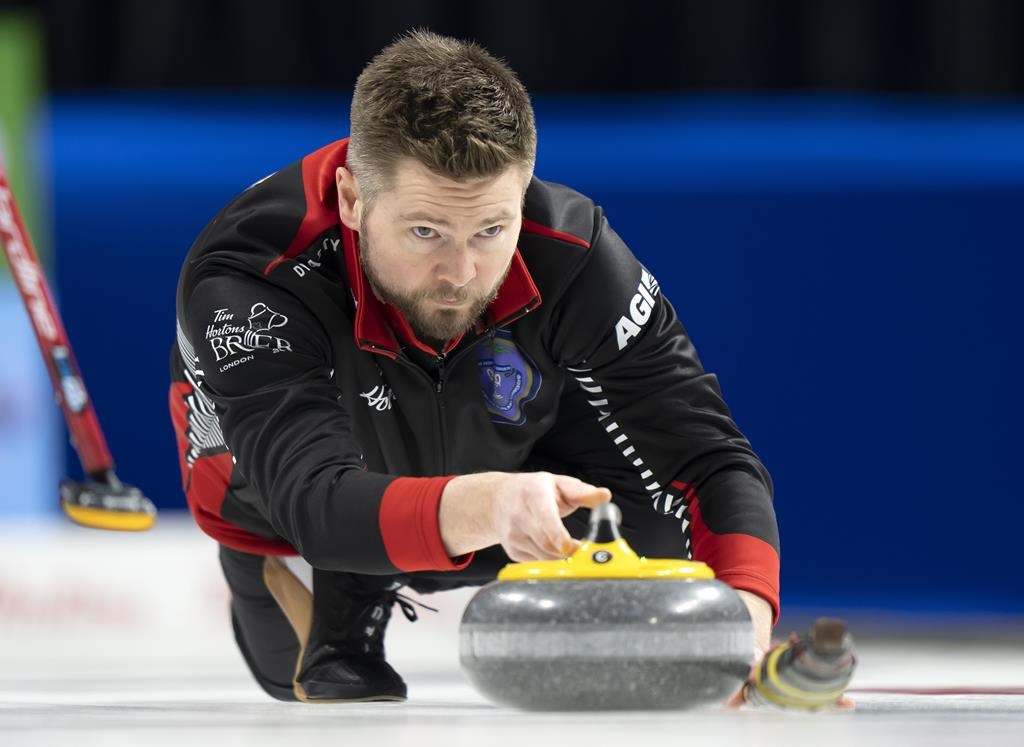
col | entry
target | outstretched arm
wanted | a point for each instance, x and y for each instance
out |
(520, 511)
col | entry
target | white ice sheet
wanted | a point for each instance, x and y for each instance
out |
(124, 639)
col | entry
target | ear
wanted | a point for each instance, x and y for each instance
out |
(350, 204)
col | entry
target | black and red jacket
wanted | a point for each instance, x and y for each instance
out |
(310, 419)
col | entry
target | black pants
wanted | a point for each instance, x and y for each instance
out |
(269, 644)
(266, 638)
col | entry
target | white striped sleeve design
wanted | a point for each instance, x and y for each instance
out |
(664, 502)
(203, 432)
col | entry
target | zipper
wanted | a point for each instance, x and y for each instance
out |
(440, 373)
(442, 359)
(443, 366)
(440, 412)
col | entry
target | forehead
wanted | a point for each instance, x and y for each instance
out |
(415, 187)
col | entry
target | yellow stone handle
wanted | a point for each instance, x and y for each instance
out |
(605, 554)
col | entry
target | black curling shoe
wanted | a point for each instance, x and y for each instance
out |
(343, 660)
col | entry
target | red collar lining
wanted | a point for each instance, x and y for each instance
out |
(517, 295)
(530, 227)
(321, 191)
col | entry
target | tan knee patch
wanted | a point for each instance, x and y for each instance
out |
(296, 602)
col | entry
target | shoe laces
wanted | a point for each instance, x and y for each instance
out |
(408, 606)
(380, 611)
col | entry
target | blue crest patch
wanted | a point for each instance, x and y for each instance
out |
(508, 379)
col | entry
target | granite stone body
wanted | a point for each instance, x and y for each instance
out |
(606, 644)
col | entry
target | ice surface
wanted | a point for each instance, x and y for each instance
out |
(124, 639)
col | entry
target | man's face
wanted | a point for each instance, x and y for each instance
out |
(438, 250)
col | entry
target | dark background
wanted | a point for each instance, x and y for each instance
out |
(904, 46)
(829, 192)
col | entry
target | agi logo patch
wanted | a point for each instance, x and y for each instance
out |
(641, 309)
(508, 379)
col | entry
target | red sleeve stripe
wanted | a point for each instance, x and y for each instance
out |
(206, 483)
(740, 560)
(746, 563)
(530, 227)
(410, 528)
(224, 531)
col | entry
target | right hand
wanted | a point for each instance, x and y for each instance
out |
(521, 511)
(528, 511)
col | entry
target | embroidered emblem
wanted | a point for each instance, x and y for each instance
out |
(229, 339)
(508, 379)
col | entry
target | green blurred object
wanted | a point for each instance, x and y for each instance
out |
(21, 88)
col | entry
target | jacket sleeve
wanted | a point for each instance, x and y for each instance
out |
(665, 416)
(265, 362)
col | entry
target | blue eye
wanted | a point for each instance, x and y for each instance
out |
(423, 232)
(490, 233)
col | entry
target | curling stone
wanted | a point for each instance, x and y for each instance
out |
(606, 630)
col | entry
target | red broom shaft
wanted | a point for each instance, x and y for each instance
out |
(86, 435)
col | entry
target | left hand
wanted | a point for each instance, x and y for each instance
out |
(761, 617)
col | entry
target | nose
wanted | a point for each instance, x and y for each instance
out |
(458, 265)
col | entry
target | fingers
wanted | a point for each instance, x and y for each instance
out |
(518, 553)
(570, 494)
(741, 696)
(738, 698)
(530, 512)
(546, 539)
(541, 536)
(524, 549)
(555, 538)
(573, 494)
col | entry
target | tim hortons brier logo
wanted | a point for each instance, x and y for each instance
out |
(641, 308)
(229, 339)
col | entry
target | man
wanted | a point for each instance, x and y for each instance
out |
(407, 361)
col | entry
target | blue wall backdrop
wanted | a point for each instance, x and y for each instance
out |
(850, 268)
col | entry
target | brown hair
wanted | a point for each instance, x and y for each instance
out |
(445, 102)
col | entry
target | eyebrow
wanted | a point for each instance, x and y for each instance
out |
(428, 218)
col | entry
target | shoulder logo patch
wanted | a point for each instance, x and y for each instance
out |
(229, 339)
(508, 379)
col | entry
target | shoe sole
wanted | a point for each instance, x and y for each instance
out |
(328, 701)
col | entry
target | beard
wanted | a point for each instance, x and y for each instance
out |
(431, 323)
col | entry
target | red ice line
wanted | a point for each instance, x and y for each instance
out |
(940, 690)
